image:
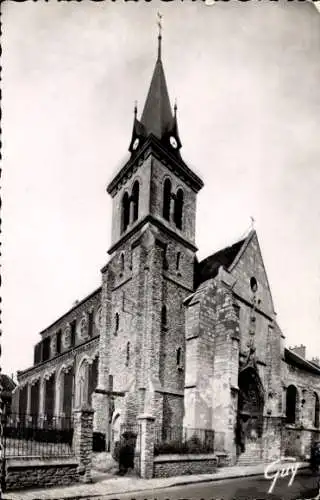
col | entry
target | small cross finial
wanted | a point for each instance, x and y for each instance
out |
(159, 16)
(252, 223)
(135, 108)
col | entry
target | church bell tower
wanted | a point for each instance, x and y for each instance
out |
(151, 268)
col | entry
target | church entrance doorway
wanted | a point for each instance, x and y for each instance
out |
(250, 416)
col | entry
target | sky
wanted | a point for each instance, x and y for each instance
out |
(246, 77)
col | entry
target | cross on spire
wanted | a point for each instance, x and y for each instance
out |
(252, 223)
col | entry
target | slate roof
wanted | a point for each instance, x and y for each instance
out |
(208, 268)
(76, 304)
(157, 116)
(293, 359)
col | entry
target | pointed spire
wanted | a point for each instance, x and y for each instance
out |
(157, 113)
(157, 117)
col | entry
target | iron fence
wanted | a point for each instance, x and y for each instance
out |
(129, 430)
(183, 440)
(37, 435)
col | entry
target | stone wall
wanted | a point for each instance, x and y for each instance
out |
(160, 172)
(79, 314)
(55, 367)
(307, 385)
(82, 442)
(212, 344)
(297, 442)
(272, 438)
(180, 465)
(86, 316)
(219, 332)
(141, 278)
(30, 472)
(141, 174)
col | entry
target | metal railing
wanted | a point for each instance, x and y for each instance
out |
(37, 435)
(129, 430)
(183, 440)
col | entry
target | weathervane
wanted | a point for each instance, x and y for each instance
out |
(159, 16)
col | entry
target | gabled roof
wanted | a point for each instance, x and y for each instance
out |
(208, 268)
(293, 359)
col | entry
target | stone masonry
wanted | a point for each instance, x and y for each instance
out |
(187, 343)
(82, 442)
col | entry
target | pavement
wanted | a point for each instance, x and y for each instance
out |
(105, 485)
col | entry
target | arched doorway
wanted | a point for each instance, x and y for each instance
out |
(250, 413)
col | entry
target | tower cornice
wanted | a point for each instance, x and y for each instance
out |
(153, 146)
(159, 224)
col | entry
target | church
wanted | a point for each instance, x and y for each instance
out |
(196, 344)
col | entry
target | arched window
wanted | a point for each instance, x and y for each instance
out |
(164, 316)
(82, 395)
(121, 264)
(316, 410)
(128, 354)
(135, 200)
(178, 208)
(179, 356)
(165, 264)
(116, 324)
(166, 199)
(291, 404)
(178, 258)
(125, 212)
(253, 284)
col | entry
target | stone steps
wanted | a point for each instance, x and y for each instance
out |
(250, 457)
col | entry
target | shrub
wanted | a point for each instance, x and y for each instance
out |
(170, 447)
(192, 445)
(98, 442)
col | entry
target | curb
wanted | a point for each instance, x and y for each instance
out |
(183, 483)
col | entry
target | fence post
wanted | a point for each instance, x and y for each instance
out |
(146, 445)
(1, 437)
(82, 441)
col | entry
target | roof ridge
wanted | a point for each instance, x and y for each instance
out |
(209, 267)
(244, 245)
(221, 249)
